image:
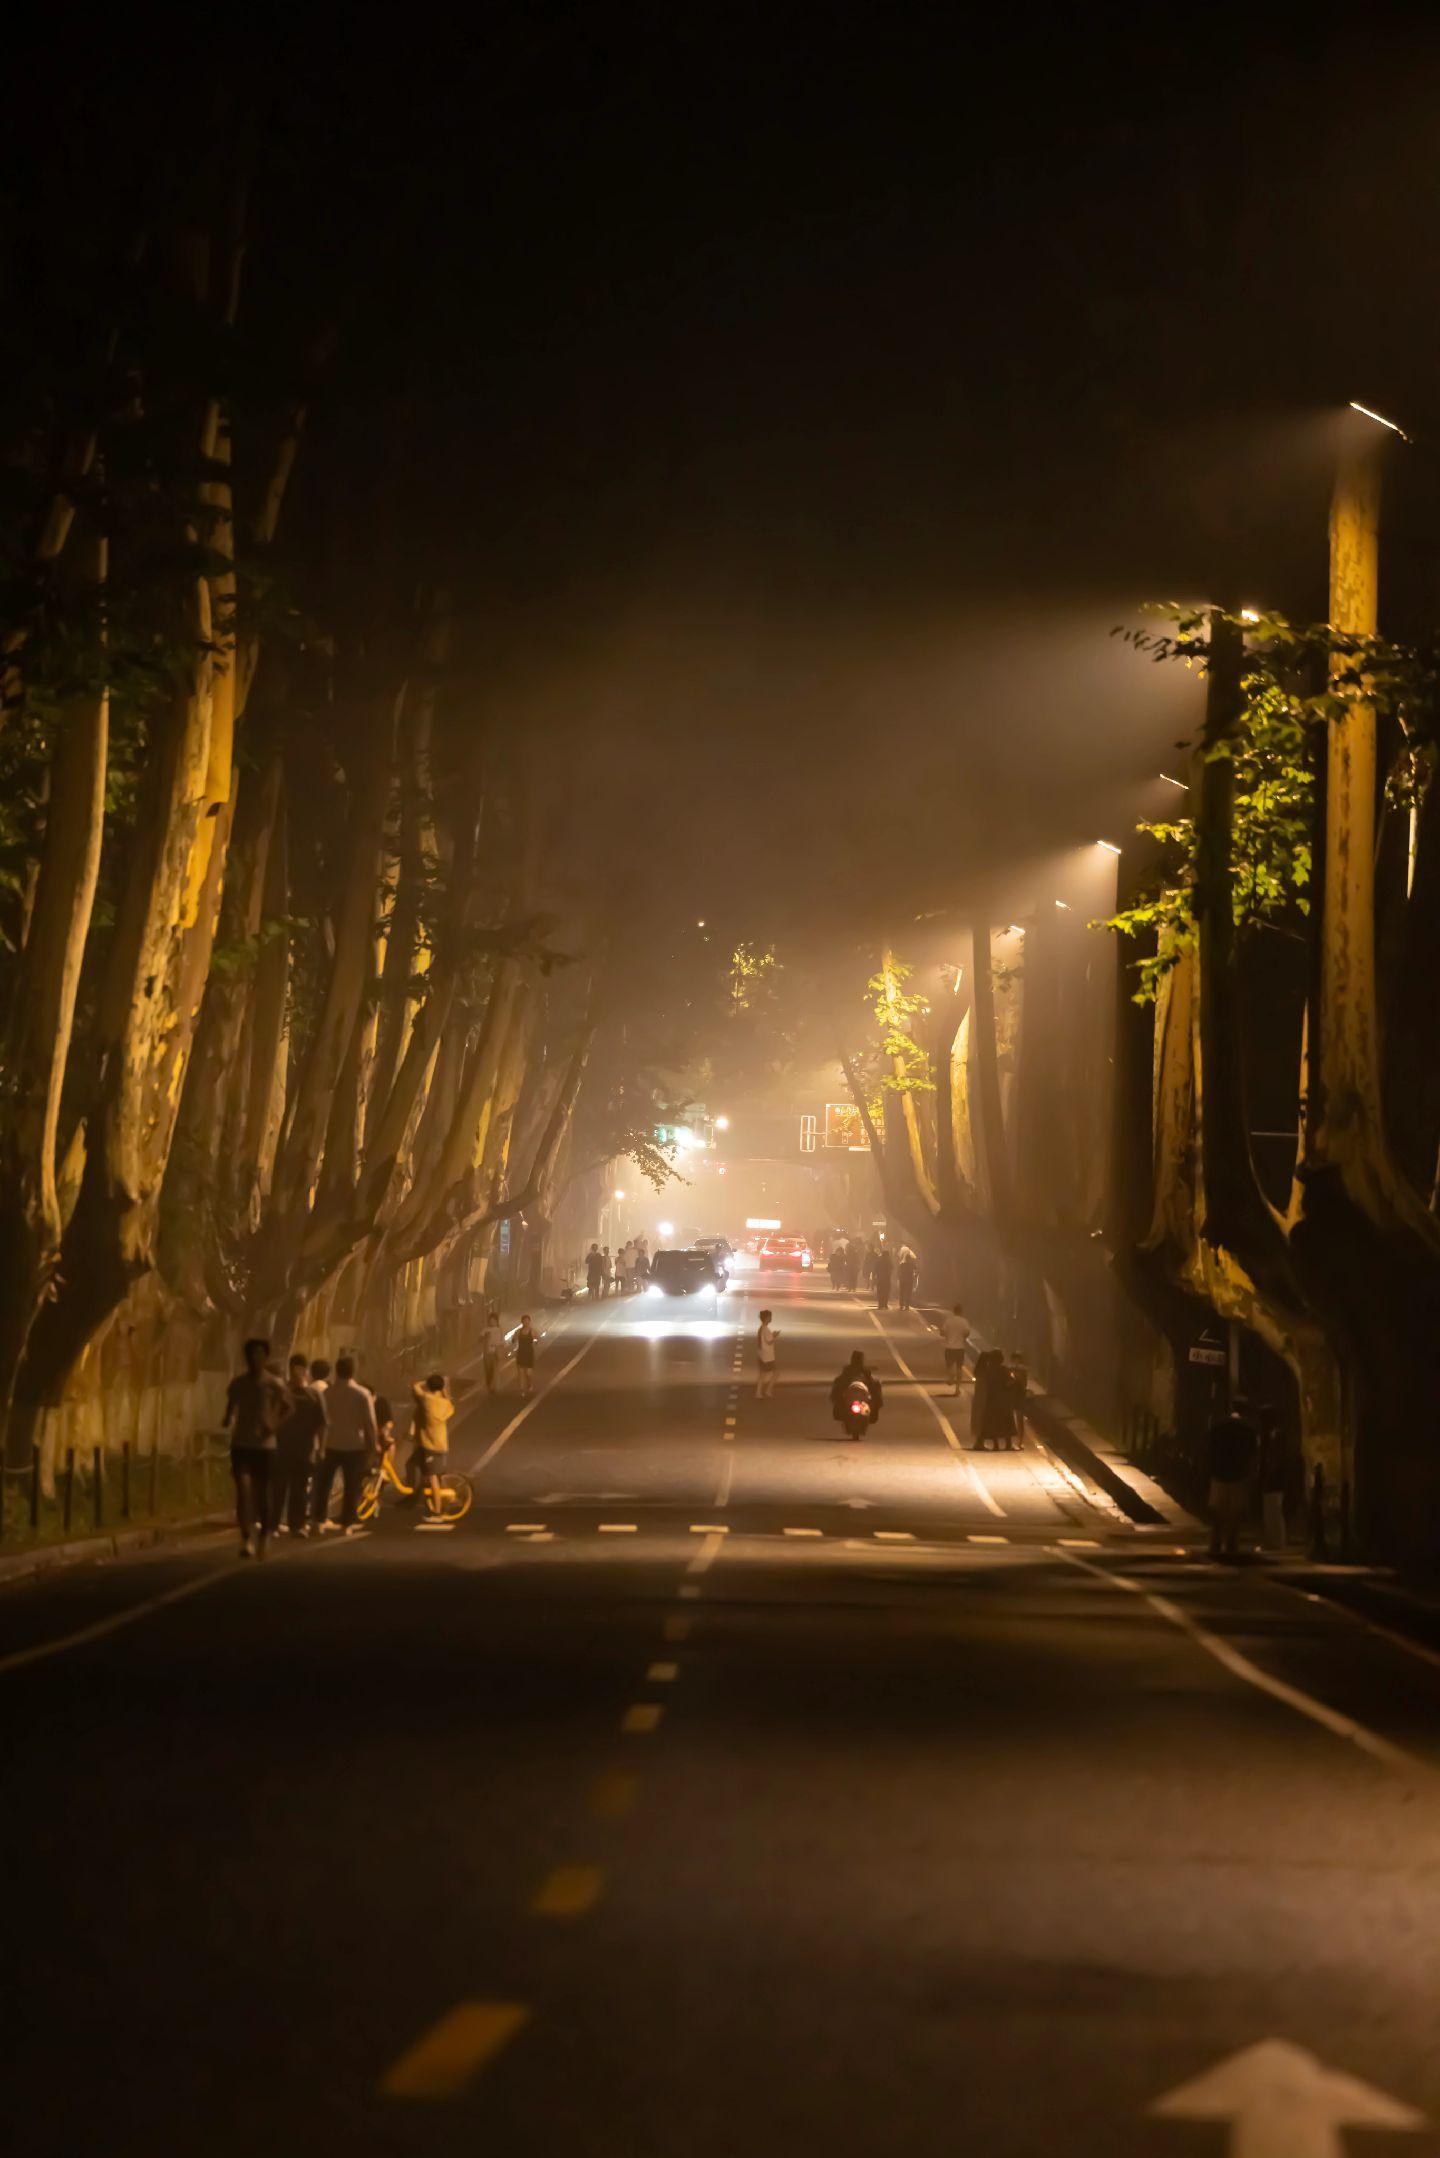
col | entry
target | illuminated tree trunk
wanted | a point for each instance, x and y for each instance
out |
(43, 1012)
(994, 1149)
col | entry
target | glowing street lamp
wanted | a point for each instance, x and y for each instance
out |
(1109, 846)
(1379, 419)
(665, 1228)
(619, 1194)
(722, 1123)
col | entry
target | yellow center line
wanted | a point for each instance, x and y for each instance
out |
(987, 1539)
(641, 1718)
(567, 1892)
(454, 2050)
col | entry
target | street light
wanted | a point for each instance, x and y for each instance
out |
(1171, 781)
(1379, 419)
(665, 1228)
(722, 1123)
(1109, 846)
(619, 1194)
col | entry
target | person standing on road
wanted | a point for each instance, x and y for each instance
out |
(955, 1332)
(1017, 1396)
(989, 1409)
(298, 1444)
(881, 1272)
(908, 1269)
(433, 1411)
(351, 1437)
(255, 1406)
(1232, 1452)
(492, 1348)
(595, 1271)
(526, 1341)
(839, 1254)
(766, 1337)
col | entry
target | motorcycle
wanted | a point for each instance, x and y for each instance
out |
(857, 1410)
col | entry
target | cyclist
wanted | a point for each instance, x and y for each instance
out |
(433, 1411)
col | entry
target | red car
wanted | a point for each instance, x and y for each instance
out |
(786, 1251)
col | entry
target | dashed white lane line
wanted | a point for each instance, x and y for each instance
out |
(523, 1528)
(987, 1539)
(662, 1674)
(1356, 1734)
(727, 1478)
(100, 1627)
(619, 1528)
(802, 1532)
(982, 1489)
(710, 1550)
(641, 1718)
(504, 1437)
(893, 1536)
(708, 1528)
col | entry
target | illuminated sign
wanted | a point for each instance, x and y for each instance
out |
(843, 1127)
(757, 1221)
(807, 1134)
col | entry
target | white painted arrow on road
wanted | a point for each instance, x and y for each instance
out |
(1283, 2103)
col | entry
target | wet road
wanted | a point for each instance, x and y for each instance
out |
(718, 1785)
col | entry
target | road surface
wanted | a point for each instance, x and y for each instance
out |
(718, 1786)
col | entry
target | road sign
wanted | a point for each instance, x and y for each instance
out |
(1209, 1349)
(807, 1134)
(843, 1127)
(1281, 2102)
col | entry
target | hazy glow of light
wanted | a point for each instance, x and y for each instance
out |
(699, 925)
(1182, 784)
(665, 1228)
(683, 1329)
(760, 1221)
(1379, 419)
(1247, 614)
(619, 1194)
(1063, 905)
(1109, 845)
(1016, 929)
(722, 1123)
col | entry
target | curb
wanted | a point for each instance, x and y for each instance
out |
(124, 1543)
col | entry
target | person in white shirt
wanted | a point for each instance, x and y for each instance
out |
(955, 1332)
(350, 1440)
(492, 1347)
(766, 1337)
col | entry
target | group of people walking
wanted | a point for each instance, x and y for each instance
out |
(622, 1274)
(857, 1265)
(294, 1436)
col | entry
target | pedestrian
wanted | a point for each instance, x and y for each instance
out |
(989, 1407)
(1274, 1477)
(642, 1268)
(433, 1411)
(1232, 1453)
(351, 1438)
(955, 1331)
(607, 1269)
(856, 1371)
(626, 1266)
(881, 1272)
(298, 1445)
(766, 1337)
(492, 1348)
(319, 1375)
(855, 1256)
(836, 1263)
(255, 1406)
(595, 1271)
(525, 1345)
(1017, 1397)
(908, 1269)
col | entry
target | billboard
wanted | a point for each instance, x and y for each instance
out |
(843, 1127)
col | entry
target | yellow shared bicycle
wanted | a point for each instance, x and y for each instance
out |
(456, 1495)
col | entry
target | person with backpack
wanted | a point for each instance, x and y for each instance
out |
(766, 1337)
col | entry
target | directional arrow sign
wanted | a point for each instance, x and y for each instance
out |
(1283, 2103)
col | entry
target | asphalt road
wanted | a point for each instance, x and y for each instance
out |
(717, 1786)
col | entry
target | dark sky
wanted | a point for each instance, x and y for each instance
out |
(796, 396)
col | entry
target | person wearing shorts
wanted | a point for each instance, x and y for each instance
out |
(525, 1339)
(433, 1411)
(255, 1406)
(955, 1332)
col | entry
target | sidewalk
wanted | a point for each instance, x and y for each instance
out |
(122, 1544)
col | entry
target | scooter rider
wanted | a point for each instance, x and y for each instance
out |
(856, 1370)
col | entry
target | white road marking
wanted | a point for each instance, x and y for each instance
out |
(727, 1478)
(619, 1528)
(802, 1532)
(706, 1556)
(440, 2064)
(893, 1536)
(1281, 2102)
(504, 1437)
(708, 1528)
(662, 1674)
(641, 1719)
(983, 1491)
(100, 1627)
(1330, 1719)
(987, 1539)
(522, 1528)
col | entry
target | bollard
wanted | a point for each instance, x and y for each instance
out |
(69, 1485)
(125, 1481)
(34, 1487)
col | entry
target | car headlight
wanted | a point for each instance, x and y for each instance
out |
(652, 1288)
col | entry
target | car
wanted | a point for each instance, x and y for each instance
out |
(721, 1250)
(790, 1252)
(687, 1271)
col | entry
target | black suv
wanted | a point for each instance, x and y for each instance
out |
(686, 1273)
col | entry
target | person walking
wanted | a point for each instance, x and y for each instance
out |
(990, 1407)
(595, 1272)
(642, 1265)
(1232, 1453)
(625, 1266)
(955, 1331)
(881, 1271)
(255, 1406)
(351, 1437)
(433, 1411)
(766, 1337)
(836, 1263)
(526, 1342)
(492, 1348)
(1017, 1397)
(907, 1267)
(298, 1444)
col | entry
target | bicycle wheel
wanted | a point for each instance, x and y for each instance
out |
(456, 1497)
(368, 1504)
